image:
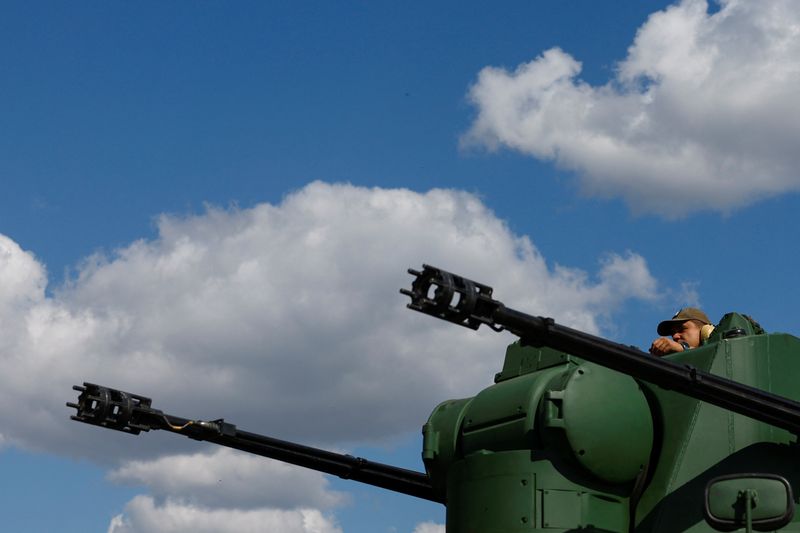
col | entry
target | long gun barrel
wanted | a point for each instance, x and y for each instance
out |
(132, 413)
(467, 303)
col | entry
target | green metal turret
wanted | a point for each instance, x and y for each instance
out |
(580, 433)
(577, 433)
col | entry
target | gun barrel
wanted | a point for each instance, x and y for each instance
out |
(132, 413)
(469, 304)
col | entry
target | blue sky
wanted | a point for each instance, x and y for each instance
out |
(214, 204)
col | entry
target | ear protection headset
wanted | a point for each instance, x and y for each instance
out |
(705, 333)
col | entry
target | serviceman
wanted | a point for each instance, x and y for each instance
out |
(681, 332)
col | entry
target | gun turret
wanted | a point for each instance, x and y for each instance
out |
(467, 303)
(576, 433)
(132, 413)
(582, 433)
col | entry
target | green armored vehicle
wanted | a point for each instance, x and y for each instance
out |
(577, 433)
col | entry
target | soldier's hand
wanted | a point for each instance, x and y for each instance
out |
(663, 346)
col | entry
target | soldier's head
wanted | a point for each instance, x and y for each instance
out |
(685, 326)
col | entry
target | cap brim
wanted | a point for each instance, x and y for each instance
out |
(665, 327)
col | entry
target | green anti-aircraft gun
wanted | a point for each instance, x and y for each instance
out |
(577, 433)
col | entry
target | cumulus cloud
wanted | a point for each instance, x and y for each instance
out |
(284, 319)
(702, 113)
(688, 294)
(24, 279)
(228, 478)
(144, 515)
(429, 527)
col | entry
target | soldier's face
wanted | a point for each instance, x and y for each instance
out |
(688, 332)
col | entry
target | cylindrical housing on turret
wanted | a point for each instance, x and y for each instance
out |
(555, 441)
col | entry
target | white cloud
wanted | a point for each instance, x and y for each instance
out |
(688, 295)
(144, 515)
(703, 112)
(228, 478)
(24, 279)
(286, 320)
(429, 527)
